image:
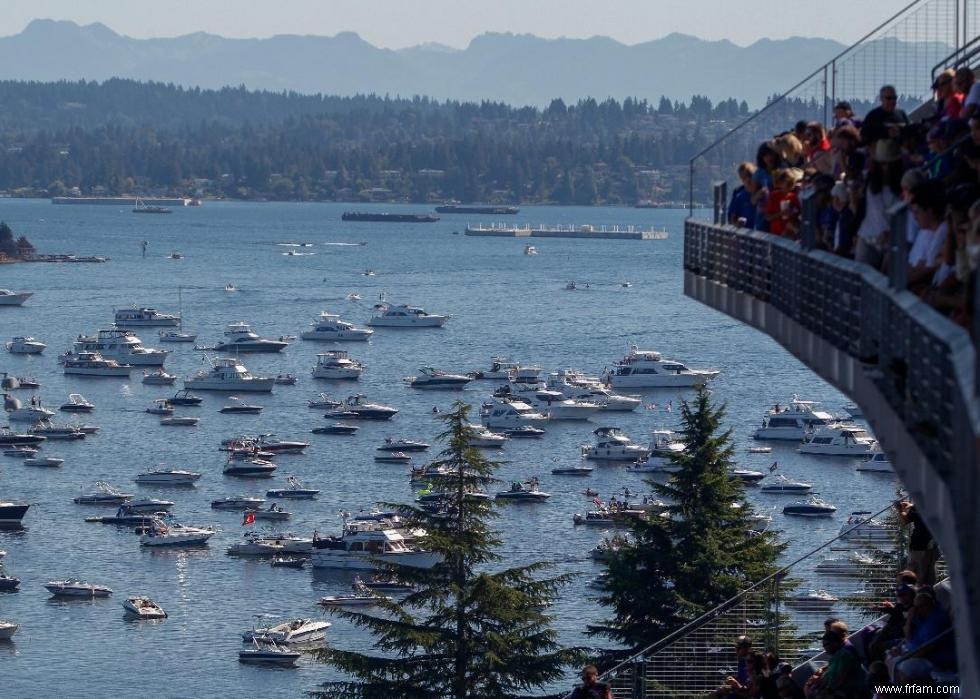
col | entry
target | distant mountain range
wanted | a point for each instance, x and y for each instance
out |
(517, 69)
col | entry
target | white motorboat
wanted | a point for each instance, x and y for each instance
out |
(328, 327)
(11, 298)
(292, 631)
(228, 374)
(163, 533)
(793, 420)
(402, 445)
(815, 600)
(7, 630)
(401, 316)
(176, 335)
(861, 529)
(249, 468)
(238, 502)
(648, 369)
(362, 543)
(77, 404)
(168, 476)
(359, 408)
(273, 443)
(663, 451)
(240, 408)
(295, 491)
(506, 369)
(430, 378)
(161, 406)
(103, 494)
(592, 393)
(523, 492)
(268, 653)
(813, 507)
(361, 599)
(11, 514)
(876, 462)
(44, 461)
(122, 345)
(838, 440)
(486, 439)
(785, 485)
(76, 588)
(254, 545)
(241, 338)
(136, 317)
(158, 378)
(149, 505)
(558, 408)
(323, 401)
(854, 564)
(530, 250)
(336, 365)
(612, 444)
(580, 470)
(24, 344)
(747, 476)
(20, 452)
(94, 364)
(49, 430)
(509, 413)
(143, 608)
(273, 513)
(179, 421)
(18, 412)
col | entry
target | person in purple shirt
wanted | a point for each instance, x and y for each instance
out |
(926, 622)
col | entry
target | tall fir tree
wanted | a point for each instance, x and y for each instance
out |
(702, 552)
(466, 630)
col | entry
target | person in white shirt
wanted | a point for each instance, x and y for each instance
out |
(925, 256)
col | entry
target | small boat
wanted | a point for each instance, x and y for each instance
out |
(854, 564)
(162, 533)
(876, 462)
(103, 494)
(25, 345)
(161, 406)
(336, 428)
(175, 255)
(168, 476)
(176, 335)
(785, 485)
(238, 502)
(359, 408)
(185, 397)
(249, 468)
(323, 401)
(149, 505)
(395, 457)
(20, 452)
(530, 250)
(230, 288)
(295, 491)
(626, 284)
(355, 600)
(44, 461)
(143, 608)
(526, 491)
(573, 471)
(380, 583)
(143, 208)
(125, 517)
(814, 507)
(759, 450)
(811, 599)
(77, 404)
(180, 421)
(293, 631)
(158, 378)
(273, 514)
(430, 378)
(288, 562)
(10, 298)
(58, 432)
(241, 409)
(268, 653)
(402, 445)
(76, 588)
(570, 286)
(838, 440)
(8, 583)
(7, 630)
(523, 432)
(747, 476)
(285, 380)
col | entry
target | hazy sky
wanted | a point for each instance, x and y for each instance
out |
(399, 23)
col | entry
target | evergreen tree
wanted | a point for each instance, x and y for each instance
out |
(465, 631)
(704, 552)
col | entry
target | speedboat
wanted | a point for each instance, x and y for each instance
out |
(402, 316)
(77, 404)
(17, 412)
(124, 517)
(392, 457)
(791, 421)
(428, 377)
(10, 298)
(121, 345)
(329, 327)
(268, 654)
(179, 421)
(270, 442)
(28, 382)
(613, 445)
(605, 517)
(249, 468)
(161, 406)
(503, 412)
(238, 502)
(357, 407)
(58, 432)
(859, 528)
(664, 450)
(523, 431)
(44, 461)
(747, 476)
(287, 561)
(176, 335)
(149, 505)
(838, 440)
(811, 599)
(273, 514)
(230, 288)
(20, 452)
(254, 545)
(648, 369)
(103, 494)
(854, 564)
(9, 438)
(402, 445)
(580, 470)
(143, 608)
(228, 374)
(609, 401)
(168, 476)
(25, 344)
(158, 378)
(484, 438)
(145, 318)
(11, 514)
(293, 631)
(162, 533)
(530, 250)
(381, 583)
(336, 428)
(523, 492)
(876, 462)
(324, 401)
(336, 365)
(8, 583)
(362, 543)
(814, 507)
(285, 380)
(94, 364)
(241, 338)
(506, 369)
(241, 408)
(785, 485)
(76, 588)
(559, 408)
(185, 397)
(295, 491)
(362, 599)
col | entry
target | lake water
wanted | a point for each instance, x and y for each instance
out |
(503, 303)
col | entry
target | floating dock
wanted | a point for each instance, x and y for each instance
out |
(127, 201)
(587, 232)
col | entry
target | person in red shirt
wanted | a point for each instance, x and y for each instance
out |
(951, 100)
(816, 148)
(783, 206)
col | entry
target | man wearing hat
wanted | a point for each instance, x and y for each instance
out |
(885, 121)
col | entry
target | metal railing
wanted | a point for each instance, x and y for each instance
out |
(901, 51)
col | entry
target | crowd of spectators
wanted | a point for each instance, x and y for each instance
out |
(861, 168)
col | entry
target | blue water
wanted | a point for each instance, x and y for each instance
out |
(502, 302)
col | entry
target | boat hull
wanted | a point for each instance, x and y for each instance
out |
(327, 558)
(14, 299)
(658, 380)
(339, 336)
(409, 322)
(121, 372)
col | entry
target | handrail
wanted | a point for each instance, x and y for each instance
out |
(954, 60)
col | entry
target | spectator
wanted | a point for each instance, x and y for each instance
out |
(910, 180)
(922, 547)
(949, 101)
(783, 205)
(790, 149)
(893, 630)
(767, 162)
(591, 687)
(848, 220)
(843, 678)
(741, 210)
(826, 213)
(914, 146)
(965, 82)
(885, 121)
(926, 622)
(799, 130)
(929, 209)
(844, 115)
(816, 148)
(940, 163)
(883, 190)
(845, 143)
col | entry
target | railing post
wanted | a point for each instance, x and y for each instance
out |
(898, 265)
(720, 203)
(833, 84)
(808, 221)
(690, 191)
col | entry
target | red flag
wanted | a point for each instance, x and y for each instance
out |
(248, 518)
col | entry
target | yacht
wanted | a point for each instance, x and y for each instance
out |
(94, 364)
(357, 407)
(567, 408)
(364, 542)
(506, 369)
(17, 412)
(785, 485)
(25, 344)
(44, 461)
(814, 507)
(249, 468)
(295, 491)
(168, 476)
(507, 413)
(523, 492)
(145, 318)
(158, 378)
(293, 631)
(854, 564)
(20, 452)
(77, 404)
(330, 328)
(171, 534)
(402, 445)
(838, 440)
(9, 438)
(663, 451)
(10, 298)
(228, 374)
(255, 545)
(59, 432)
(11, 514)
(611, 444)
(648, 369)
(143, 608)
(270, 442)
(606, 399)
(122, 345)
(876, 462)
(241, 338)
(336, 365)
(428, 377)
(238, 502)
(149, 505)
(486, 439)
(176, 335)
(268, 653)
(401, 316)
(185, 397)
(324, 401)
(791, 421)
(103, 494)
(161, 406)
(860, 528)
(76, 588)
